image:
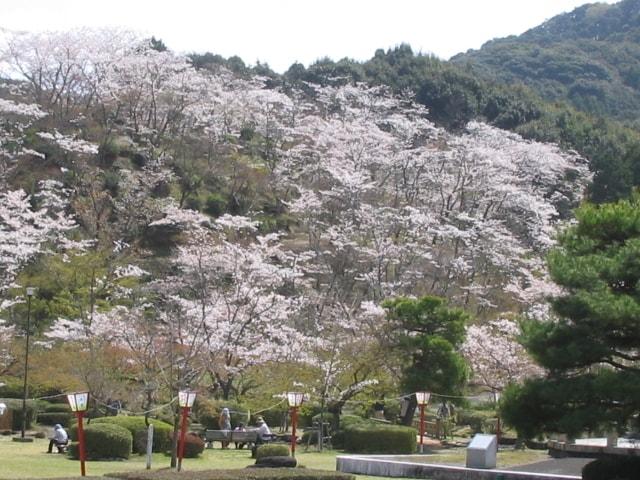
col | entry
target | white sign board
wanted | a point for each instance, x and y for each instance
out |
(482, 451)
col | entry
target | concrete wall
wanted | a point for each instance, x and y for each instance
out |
(386, 466)
(573, 450)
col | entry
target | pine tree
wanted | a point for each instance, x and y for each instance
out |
(591, 348)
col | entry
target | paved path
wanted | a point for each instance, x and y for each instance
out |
(560, 466)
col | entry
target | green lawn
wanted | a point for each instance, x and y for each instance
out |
(29, 460)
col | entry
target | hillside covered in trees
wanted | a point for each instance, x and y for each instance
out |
(589, 57)
(166, 207)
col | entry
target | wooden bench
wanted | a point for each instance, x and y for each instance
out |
(244, 437)
(225, 436)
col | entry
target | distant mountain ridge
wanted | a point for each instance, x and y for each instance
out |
(589, 57)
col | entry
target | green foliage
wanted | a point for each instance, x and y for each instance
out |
(108, 151)
(161, 439)
(56, 407)
(104, 441)
(589, 57)
(161, 430)
(215, 205)
(51, 418)
(380, 439)
(612, 468)
(593, 381)
(15, 405)
(207, 412)
(478, 420)
(193, 445)
(429, 334)
(272, 450)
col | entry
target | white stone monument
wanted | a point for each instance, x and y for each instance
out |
(482, 451)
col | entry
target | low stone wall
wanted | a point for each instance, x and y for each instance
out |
(560, 449)
(386, 466)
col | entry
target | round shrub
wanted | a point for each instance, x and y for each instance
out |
(104, 441)
(56, 407)
(612, 468)
(380, 439)
(161, 431)
(193, 445)
(478, 420)
(51, 418)
(161, 439)
(272, 451)
(215, 205)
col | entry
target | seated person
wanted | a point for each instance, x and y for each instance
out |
(60, 439)
(240, 428)
(264, 433)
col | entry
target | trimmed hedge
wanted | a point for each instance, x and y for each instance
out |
(238, 474)
(104, 441)
(193, 445)
(135, 424)
(478, 420)
(272, 451)
(51, 418)
(15, 405)
(380, 439)
(612, 468)
(56, 407)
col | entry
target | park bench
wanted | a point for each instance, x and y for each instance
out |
(211, 436)
(221, 436)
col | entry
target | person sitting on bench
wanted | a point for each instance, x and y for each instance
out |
(60, 439)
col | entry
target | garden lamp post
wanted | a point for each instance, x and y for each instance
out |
(496, 396)
(25, 389)
(185, 401)
(294, 399)
(78, 402)
(422, 398)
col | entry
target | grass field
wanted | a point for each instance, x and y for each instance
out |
(29, 460)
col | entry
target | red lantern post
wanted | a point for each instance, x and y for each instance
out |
(185, 400)
(78, 403)
(294, 399)
(422, 398)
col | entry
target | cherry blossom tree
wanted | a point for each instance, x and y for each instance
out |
(496, 357)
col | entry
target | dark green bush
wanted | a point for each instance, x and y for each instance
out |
(193, 445)
(103, 440)
(215, 205)
(248, 474)
(161, 430)
(161, 440)
(612, 468)
(380, 439)
(56, 407)
(478, 420)
(108, 151)
(193, 203)
(51, 418)
(15, 405)
(272, 451)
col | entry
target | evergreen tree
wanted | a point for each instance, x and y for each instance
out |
(590, 349)
(429, 334)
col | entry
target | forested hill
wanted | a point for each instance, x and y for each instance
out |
(589, 57)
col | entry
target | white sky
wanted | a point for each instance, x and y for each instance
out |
(281, 32)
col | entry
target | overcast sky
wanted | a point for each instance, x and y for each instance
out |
(281, 32)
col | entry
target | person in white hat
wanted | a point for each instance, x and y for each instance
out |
(60, 438)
